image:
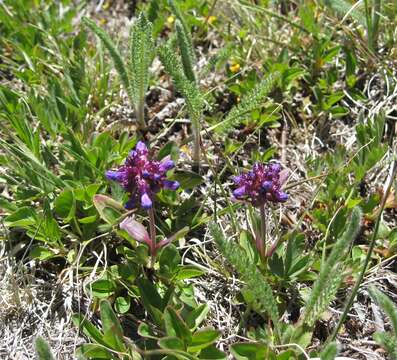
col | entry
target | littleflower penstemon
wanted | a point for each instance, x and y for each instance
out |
(142, 178)
(259, 186)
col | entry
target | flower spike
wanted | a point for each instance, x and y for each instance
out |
(142, 177)
(263, 183)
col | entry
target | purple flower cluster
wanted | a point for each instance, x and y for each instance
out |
(263, 183)
(142, 177)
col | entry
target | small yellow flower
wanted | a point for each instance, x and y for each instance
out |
(185, 149)
(102, 21)
(211, 19)
(235, 67)
(106, 5)
(170, 20)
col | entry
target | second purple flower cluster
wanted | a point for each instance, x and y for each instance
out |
(263, 183)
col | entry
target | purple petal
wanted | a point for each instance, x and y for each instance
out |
(239, 192)
(237, 179)
(132, 154)
(171, 185)
(281, 196)
(141, 147)
(266, 185)
(256, 166)
(275, 167)
(146, 202)
(135, 229)
(130, 204)
(166, 164)
(115, 175)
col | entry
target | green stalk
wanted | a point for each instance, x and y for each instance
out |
(356, 287)
(140, 114)
(375, 23)
(196, 146)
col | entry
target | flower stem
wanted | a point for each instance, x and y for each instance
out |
(140, 115)
(152, 229)
(261, 240)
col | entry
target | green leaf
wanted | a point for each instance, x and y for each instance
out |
(256, 282)
(149, 291)
(251, 101)
(108, 209)
(41, 253)
(122, 304)
(202, 338)
(172, 343)
(88, 219)
(307, 16)
(248, 351)
(112, 330)
(286, 355)
(388, 342)
(175, 326)
(246, 242)
(144, 330)
(151, 299)
(65, 205)
(387, 306)
(187, 51)
(88, 329)
(169, 260)
(7, 205)
(181, 17)
(299, 265)
(42, 349)
(153, 10)
(188, 180)
(344, 7)
(188, 89)
(188, 272)
(93, 351)
(102, 288)
(197, 316)
(141, 57)
(23, 217)
(170, 148)
(330, 352)
(212, 353)
(276, 265)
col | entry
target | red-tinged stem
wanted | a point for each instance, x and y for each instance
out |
(261, 240)
(273, 248)
(152, 229)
